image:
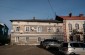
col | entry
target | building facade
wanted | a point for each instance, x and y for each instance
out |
(74, 27)
(32, 32)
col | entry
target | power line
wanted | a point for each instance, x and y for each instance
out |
(51, 8)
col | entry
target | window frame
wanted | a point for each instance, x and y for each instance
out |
(16, 39)
(39, 29)
(27, 28)
(39, 39)
(77, 26)
(49, 29)
(70, 27)
(17, 30)
(27, 39)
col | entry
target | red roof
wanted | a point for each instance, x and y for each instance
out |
(73, 17)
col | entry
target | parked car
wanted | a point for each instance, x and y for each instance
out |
(49, 43)
(73, 48)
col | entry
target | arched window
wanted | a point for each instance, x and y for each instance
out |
(70, 27)
(39, 39)
(77, 26)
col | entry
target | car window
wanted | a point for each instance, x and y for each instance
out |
(65, 45)
(84, 45)
(81, 44)
(75, 45)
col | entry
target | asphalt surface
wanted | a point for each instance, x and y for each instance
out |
(27, 50)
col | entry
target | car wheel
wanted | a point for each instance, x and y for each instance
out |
(72, 53)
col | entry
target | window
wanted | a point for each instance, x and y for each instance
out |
(27, 28)
(16, 39)
(39, 39)
(75, 44)
(65, 45)
(77, 26)
(84, 26)
(27, 39)
(57, 30)
(17, 28)
(70, 27)
(49, 29)
(39, 29)
(71, 38)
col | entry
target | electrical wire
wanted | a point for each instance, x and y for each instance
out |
(51, 8)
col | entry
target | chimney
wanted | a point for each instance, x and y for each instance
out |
(80, 15)
(70, 14)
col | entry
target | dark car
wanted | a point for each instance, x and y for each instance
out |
(48, 43)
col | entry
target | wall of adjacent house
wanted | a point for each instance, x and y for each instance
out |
(73, 22)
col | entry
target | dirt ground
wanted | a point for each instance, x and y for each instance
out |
(26, 50)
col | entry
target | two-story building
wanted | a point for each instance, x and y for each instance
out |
(32, 32)
(74, 27)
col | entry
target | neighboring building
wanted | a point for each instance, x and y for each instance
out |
(32, 32)
(74, 27)
(3, 33)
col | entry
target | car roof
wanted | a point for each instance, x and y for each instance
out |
(50, 40)
(72, 42)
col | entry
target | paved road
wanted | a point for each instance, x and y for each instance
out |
(27, 50)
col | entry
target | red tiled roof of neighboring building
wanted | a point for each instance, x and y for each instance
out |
(73, 17)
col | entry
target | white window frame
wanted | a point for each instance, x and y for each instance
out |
(27, 29)
(16, 28)
(39, 29)
(49, 29)
(77, 26)
(70, 26)
(16, 39)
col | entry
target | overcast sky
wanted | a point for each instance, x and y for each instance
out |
(41, 9)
